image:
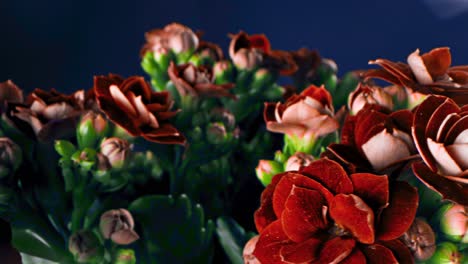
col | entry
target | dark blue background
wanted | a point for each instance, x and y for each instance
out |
(62, 44)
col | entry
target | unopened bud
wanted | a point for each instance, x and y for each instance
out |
(125, 256)
(181, 38)
(85, 246)
(249, 248)
(10, 157)
(92, 128)
(216, 133)
(446, 253)
(420, 239)
(223, 72)
(247, 59)
(369, 95)
(298, 161)
(116, 150)
(117, 225)
(266, 169)
(454, 222)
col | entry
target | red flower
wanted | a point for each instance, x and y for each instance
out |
(429, 73)
(197, 81)
(251, 51)
(131, 104)
(374, 140)
(307, 115)
(322, 215)
(440, 131)
(365, 94)
(175, 37)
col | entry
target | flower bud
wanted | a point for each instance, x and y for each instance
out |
(454, 222)
(266, 169)
(10, 157)
(181, 38)
(298, 161)
(125, 256)
(446, 253)
(86, 158)
(369, 95)
(117, 225)
(223, 72)
(9, 92)
(420, 239)
(216, 133)
(245, 59)
(249, 248)
(85, 247)
(93, 126)
(262, 78)
(116, 151)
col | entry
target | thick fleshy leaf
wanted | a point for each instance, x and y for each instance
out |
(354, 215)
(400, 250)
(303, 252)
(373, 189)
(356, 257)
(376, 253)
(286, 184)
(330, 174)
(270, 242)
(304, 214)
(399, 215)
(450, 190)
(336, 249)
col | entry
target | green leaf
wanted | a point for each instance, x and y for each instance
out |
(65, 148)
(232, 238)
(28, 259)
(174, 229)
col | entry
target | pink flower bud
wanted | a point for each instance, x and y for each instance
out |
(298, 161)
(249, 248)
(117, 225)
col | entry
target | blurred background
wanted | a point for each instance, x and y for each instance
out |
(62, 43)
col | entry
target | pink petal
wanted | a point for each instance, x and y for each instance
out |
(445, 163)
(121, 100)
(298, 112)
(458, 133)
(419, 69)
(304, 214)
(353, 214)
(438, 117)
(445, 126)
(399, 215)
(459, 152)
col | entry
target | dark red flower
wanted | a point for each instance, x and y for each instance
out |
(251, 51)
(374, 140)
(131, 104)
(440, 131)
(307, 62)
(367, 94)
(323, 215)
(210, 50)
(46, 115)
(429, 73)
(197, 81)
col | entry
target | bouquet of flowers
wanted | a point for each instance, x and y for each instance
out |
(267, 156)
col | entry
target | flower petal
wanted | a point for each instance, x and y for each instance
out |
(286, 184)
(376, 253)
(265, 214)
(270, 242)
(459, 132)
(445, 163)
(336, 249)
(304, 214)
(356, 257)
(400, 250)
(438, 117)
(353, 214)
(304, 252)
(373, 189)
(437, 61)
(399, 215)
(330, 174)
(419, 69)
(450, 190)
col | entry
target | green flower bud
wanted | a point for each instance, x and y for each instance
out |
(85, 158)
(117, 225)
(266, 169)
(85, 247)
(446, 253)
(65, 148)
(454, 222)
(10, 157)
(116, 150)
(125, 256)
(223, 72)
(263, 78)
(92, 128)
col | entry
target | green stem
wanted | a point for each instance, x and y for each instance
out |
(82, 200)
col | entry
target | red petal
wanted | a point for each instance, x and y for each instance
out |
(356, 257)
(373, 189)
(303, 214)
(270, 242)
(330, 174)
(450, 190)
(369, 123)
(379, 254)
(265, 214)
(437, 61)
(457, 128)
(347, 131)
(138, 86)
(269, 112)
(354, 215)
(403, 120)
(438, 116)
(348, 156)
(336, 249)
(399, 215)
(285, 185)
(260, 41)
(318, 93)
(400, 250)
(304, 252)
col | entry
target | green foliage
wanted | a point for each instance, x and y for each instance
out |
(232, 238)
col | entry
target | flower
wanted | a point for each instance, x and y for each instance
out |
(298, 161)
(365, 94)
(307, 62)
(210, 50)
(252, 51)
(454, 222)
(420, 238)
(307, 115)
(9, 92)
(116, 151)
(440, 132)
(374, 140)
(323, 214)
(247, 253)
(85, 246)
(117, 225)
(46, 115)
(197, 81)
(429, 73)
(132, 105)
(175, 37)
